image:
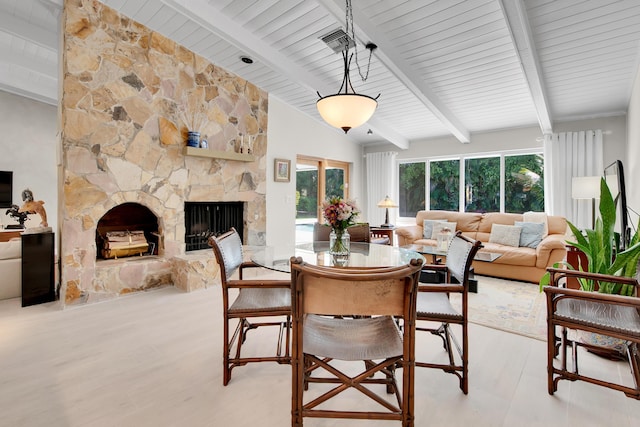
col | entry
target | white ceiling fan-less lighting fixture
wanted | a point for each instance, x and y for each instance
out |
(348, 109)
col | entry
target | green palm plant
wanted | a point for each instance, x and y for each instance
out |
(600, 249)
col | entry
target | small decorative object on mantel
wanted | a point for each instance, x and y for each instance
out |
(340, 214)
(204, 143)
(193, 139)
(193, 115)
(281, 170)
(31, 206)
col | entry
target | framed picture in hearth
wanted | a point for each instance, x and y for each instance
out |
(282, 170)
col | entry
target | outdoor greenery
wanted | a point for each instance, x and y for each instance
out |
(307, 190)
(482, 184)
(444, 188)
(523, 177)
(412, 188)
(524, 183)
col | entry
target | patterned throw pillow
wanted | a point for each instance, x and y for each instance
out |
(437, 228)
(508, 235)
(427, 227)
(531, 234)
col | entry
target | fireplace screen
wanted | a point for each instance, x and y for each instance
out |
(205, 219)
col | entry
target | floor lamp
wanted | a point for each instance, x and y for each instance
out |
(585, 188)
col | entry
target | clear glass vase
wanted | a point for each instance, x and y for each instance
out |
(339, 242)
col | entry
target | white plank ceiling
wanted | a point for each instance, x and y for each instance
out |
(442, 67)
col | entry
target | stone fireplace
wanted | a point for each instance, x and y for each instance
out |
(127, 219)
(125, 89)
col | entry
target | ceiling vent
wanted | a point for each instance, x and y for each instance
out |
(338, 40)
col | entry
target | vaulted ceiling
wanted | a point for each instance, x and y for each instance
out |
(442, 67)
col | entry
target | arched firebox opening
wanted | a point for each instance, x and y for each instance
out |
(126, 230)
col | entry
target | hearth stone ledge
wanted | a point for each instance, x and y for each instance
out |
(195, 270)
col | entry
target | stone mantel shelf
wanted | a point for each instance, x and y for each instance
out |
(227, 155)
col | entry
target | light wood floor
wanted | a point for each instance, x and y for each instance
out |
(154, 359)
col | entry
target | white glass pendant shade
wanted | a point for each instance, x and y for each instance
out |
(346, 110)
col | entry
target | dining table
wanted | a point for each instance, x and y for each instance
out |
(278, 257)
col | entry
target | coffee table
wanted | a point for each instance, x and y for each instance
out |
(484, 256)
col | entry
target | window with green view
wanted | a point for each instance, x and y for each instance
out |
(524, 183)
(412, 188)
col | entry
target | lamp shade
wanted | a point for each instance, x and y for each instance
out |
(585, 187)
(346, 110)
(387, 203)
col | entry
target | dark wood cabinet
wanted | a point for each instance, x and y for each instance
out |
(38, 268)
(575, 258)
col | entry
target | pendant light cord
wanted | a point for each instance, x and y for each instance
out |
(371, 46)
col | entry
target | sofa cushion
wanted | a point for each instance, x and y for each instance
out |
(531, 234)
(467, 222)
(525, 257)
(505, 235)
(537, 217)
(427, 227)
(11, 249)
(439, 226)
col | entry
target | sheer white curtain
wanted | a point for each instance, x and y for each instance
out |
(568, 155)
(381, 181)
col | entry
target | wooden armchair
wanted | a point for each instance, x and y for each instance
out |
(352, 315)
(434, 306)
(256, 299)
(359, 233)
(615, 316)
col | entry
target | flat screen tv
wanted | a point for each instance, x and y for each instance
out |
(614, 175)
(6, 189)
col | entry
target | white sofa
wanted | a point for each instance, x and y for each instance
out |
(11, 269)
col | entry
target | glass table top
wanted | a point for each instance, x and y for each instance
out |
(317, 253)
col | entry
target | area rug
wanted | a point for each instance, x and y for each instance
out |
(509, 305)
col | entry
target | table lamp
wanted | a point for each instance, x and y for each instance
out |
(586, 187)
(387, 203)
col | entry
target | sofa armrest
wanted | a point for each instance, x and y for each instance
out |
(409, 234)
(551, 249)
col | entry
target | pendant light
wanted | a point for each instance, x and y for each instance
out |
(348, 109)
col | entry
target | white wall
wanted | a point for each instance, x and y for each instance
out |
(614, 129)
(292, 133)
(28, 148)
(632, 159)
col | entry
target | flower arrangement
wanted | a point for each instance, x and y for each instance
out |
(339, 213)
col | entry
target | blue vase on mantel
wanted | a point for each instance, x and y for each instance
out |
(193, 139)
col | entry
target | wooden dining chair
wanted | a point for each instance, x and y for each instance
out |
(591, 313)
(348, 315)
(255, 300)
(434, 305)
(359, 233)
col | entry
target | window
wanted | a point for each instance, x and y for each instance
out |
(491, 183)
(482, 184)
(523, 183)
(317, 180)
(444, 185)
(412, 191)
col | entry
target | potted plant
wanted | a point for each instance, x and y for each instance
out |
(604, 257)
(600, 248)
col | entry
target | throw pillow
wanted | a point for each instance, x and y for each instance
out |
(508, 235)
(427, 227)
(537, 217)
(437, 228)
(531, 234)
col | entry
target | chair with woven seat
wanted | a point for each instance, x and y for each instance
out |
(358, 233)
(256, 299)
(615, 316)
(353, 315)
(434, 305)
